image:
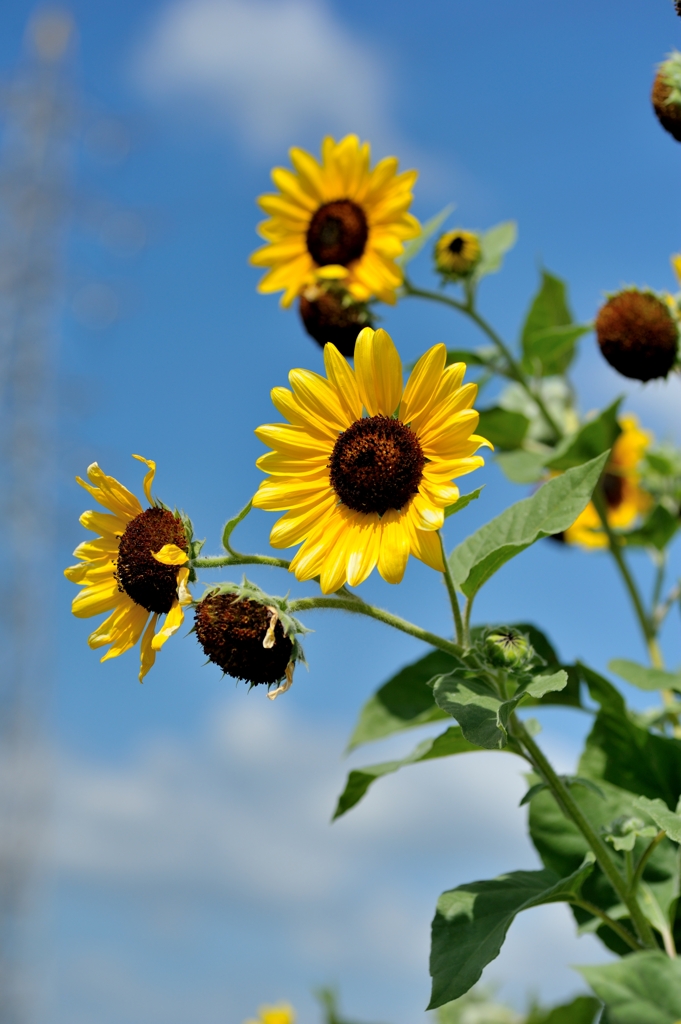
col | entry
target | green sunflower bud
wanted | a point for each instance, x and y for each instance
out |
(507, 648)
(637, 334)
(666, 95)
(457, 253)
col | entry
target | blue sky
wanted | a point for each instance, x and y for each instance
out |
(193, 873)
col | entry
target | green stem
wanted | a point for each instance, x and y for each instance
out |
(572, 810)
(453, 598)
(467, 620)
(645, 857)
(302, 604)
(618, 928)
(515, 371)
(218, 561)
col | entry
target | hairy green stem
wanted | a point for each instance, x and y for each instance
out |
(218, 561)
(461, 637)
(645, 857)
(572, 810)
(618, 928)
(302, 604)
(515, 371)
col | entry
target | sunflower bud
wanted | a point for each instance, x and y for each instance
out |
(331, 314)
(457, 253)
(245, 638)
(637, 334)
(507, 648)
(666, 95)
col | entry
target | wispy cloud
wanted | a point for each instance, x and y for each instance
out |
(276, 70)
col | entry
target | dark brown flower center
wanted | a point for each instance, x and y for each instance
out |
(148, 582)
(637, 334)
(337, 233)
(376, 464)
(613, 489)
(231, 633)
(456, 245)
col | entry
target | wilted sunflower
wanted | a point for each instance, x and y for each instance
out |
(367, 490)
(336, 220)
(134, 569)
(625, 500)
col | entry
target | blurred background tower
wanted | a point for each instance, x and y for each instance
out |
(37, 124)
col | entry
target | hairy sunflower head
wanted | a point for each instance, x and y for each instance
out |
(363, 468)
(338, 220)
(625, 499)
(666, 95)
(638, 334)
(244, 637)
(136, 568)
(457, 253)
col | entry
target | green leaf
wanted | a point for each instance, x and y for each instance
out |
(462, 501)
(582, 1010)
(542, 685)
(642, 988)
(506, 430)
(553, 348)
(471, 923)
(521, 467)
(645, 678)
(473, 702)
(668, 821)
(413, 247)
(552, 509)
(657, 531)
(595, 437)
(549, 309)
(403, 702)
(359, 779)
(494, 244)
(232, 523)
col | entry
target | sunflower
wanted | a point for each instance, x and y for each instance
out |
(337, 220)
(457, 253)
(134, 569)
(625, 500)
(367, 490)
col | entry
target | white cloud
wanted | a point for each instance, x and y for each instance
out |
(239, 822)
(277, 70)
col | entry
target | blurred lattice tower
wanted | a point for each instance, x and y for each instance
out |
(36, 143)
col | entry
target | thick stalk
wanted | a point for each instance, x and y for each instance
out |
(515, 370)
(572, 810)
(302, 604)
(453, 598)
(218, 561)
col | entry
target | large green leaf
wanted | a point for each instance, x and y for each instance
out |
(553, 508)
(582, 1010)
(553, 348)
(450, 742)
(645, 678)
(481, 713)
(471, 923)
(658, 529)
(596, 436)
(549, 309)
(642, 988)
(494, 244)
(505, 429)
(668, 821)
(522, 467)
(413, 247)
(403, 702)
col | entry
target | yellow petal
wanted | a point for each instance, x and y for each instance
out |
(120, 620)
(342, 376)
(103, 523)
(423, 383)
(278, 494)
(147, 653)
(183, 595)
(297, 524)
(378, 371)
(110, 493)
(94, 571)
(173, 621)
(426, 546)
(126, 632)
(309, 559)
(292, 440)
(171, 554)
(283, 465)
(95, 549)
(676, 266)
(285, 402)
(364, 543)
(320, 398)
(149, 478)
(394, 553)
(100, 597)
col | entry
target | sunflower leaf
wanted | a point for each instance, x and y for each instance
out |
(643, 986)
(505, 429)
(549, 310)
(494, 244)
(553, 508)
(645, 678)
(462, 501)
(596, 436)
(232, 523)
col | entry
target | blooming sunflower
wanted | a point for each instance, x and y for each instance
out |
(625, 500)
(336, 220)
(457, 253)
(134, 569)
(367, 490)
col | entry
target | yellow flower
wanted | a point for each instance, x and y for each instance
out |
(134, 569)
(457, 253)
(624, 498)
(336, 220)
(367, 490)
(281, 1014)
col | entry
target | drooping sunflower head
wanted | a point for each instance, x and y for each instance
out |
(336, 219)
(244, 637)
(136, 569)
(638, 334)
(666, 95)
(329, 313)
(363, 468)
(457, 253)
(625, 499)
